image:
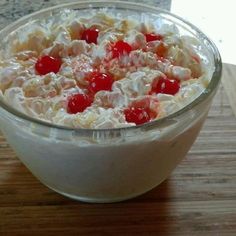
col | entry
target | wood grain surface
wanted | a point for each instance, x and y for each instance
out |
(199, 198)
(229, 83)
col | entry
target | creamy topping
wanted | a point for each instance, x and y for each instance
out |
(101, 71)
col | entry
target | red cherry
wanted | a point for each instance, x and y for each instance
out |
(153, 37)
(120, 48)
(47, 64)
(90, 35)
(78, 103)
(137, 115)
(99, 81)
(149, 103)
(164, 85)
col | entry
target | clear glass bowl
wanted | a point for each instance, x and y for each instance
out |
(113, 164)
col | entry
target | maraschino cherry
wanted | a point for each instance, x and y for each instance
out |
(137, 115)
(153, 37)
(47, 64)
(99, 81)
(78, 103)
(166, 86)
(120, 48)
(90, 35)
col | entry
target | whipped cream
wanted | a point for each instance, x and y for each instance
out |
(45, 97)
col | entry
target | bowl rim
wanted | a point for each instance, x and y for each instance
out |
(209, 90)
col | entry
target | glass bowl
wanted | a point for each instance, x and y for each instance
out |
(108, 165)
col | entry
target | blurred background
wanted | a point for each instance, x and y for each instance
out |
(214, 18)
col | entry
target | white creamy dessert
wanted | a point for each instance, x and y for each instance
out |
(101, 71)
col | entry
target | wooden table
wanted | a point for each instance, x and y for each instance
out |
(199, 198)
